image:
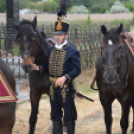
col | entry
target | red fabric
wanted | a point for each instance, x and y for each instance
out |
(3, 92)
(6, 93)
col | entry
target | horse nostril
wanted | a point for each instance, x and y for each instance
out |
(27, 68)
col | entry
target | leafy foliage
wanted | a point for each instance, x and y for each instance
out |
(2, 5)
(50, 6)
(88, 19)
(93, 5)
(103, 9)
(78, 10)
(118, 8)
(32, 5)
(23, 3)
(133, 19)
(130, 6)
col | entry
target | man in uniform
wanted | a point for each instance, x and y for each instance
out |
(63, 66)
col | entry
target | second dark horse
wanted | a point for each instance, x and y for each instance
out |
(115, 76)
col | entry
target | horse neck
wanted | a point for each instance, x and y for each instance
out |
(43, 46)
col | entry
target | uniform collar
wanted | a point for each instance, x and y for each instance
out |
(61, 46)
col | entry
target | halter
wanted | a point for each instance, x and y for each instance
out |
(119, 65)
(36, 49)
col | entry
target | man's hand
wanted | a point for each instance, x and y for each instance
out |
(60, 81)
(35, 67)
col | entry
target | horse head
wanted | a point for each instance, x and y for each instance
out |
(29, 39)
(111, 52)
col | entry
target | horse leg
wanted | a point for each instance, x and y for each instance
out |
(132, 131)
(107, 106)
(125, 112)
(7, 117)
(7, 127)
(35, 98)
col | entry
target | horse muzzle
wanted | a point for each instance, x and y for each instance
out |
(27, 68)
(110, 76)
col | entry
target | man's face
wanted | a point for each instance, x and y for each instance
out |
(59, 38)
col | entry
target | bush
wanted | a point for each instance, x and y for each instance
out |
(118, 8)
(40, 7)
(103, 10)
(133, 19)
(130, 7)
(78, 10)
(23, 3)
(2, 5)
(96, 8)
(32, 5)
(88, 19)
(50, 6)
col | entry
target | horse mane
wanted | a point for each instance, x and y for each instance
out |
(24, 21)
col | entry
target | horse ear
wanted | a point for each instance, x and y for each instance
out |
(103, 30)
(34, 22)
(120, 28)
(16, 26)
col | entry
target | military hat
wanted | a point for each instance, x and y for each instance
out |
(61, 25)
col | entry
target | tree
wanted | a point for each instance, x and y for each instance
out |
(2, 5)
(23, 3)
(50, 6)
(130, 6)
(118, 8)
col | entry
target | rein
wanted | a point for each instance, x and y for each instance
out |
(127, 67)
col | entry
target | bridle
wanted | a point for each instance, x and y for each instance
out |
(103, 69)
(36, 49)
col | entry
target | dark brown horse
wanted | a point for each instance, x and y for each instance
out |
(33, 46)
(7, 110)
(115, 76)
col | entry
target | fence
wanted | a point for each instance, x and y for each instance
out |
(87, 40)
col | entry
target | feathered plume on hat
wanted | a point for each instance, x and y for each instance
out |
(61, 25)
(62, 11)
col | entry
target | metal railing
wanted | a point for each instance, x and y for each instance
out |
(87, 40)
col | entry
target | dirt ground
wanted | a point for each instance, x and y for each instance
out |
(90, 114)
(53, 17)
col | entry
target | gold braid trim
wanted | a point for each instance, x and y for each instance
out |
(52, 91)
(63, 92)
(69, 78)
(11, 96)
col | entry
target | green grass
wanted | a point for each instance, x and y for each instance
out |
(15, 50)
(19, 104)
(46, 97)
(131, 28)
